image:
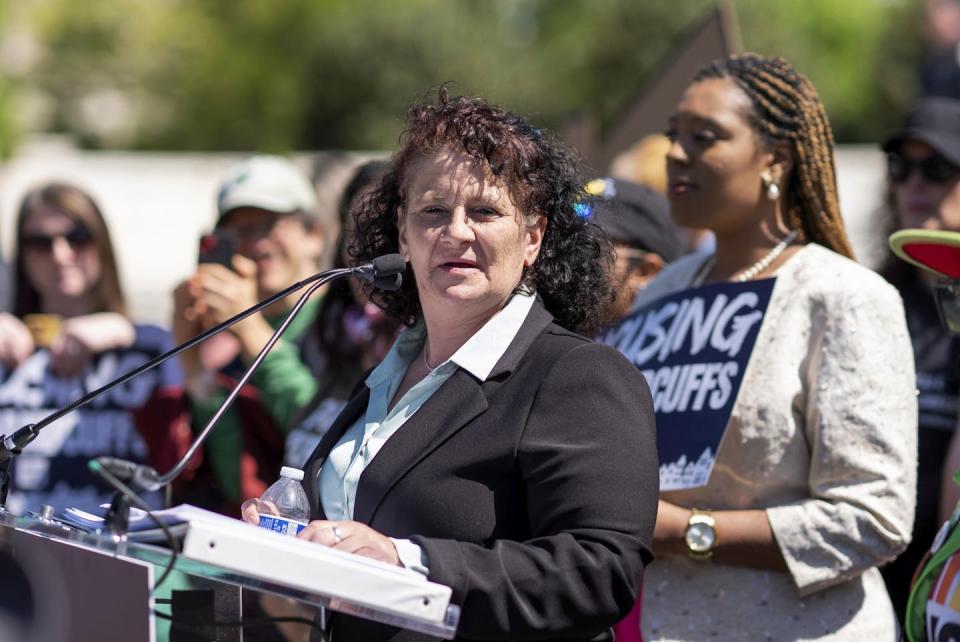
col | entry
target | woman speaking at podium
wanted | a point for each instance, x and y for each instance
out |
(493, 449)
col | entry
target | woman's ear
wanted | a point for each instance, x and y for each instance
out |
(780, 164)
(534, 240)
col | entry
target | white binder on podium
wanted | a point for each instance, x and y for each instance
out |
(230, 557)
(330, 578)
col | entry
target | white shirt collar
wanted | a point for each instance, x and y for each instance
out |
(477, 356)
(484, 349)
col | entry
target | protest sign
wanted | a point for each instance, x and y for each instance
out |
(693, 347)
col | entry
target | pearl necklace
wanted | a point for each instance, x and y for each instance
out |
(761, 265)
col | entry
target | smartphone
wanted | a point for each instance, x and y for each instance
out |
(217, 247)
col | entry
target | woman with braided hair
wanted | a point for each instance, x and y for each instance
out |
(813, 483)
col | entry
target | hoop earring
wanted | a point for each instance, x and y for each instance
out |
(773, 191)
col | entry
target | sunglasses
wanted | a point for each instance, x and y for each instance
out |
(77, 238)
(933, 169)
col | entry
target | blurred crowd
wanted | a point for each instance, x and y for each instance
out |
(848, 479)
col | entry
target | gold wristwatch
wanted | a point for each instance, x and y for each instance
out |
(700, 536)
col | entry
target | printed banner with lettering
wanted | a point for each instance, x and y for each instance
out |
(53, 468)
(942, 615)
(693, 348)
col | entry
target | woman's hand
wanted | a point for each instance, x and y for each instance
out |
(224, 293)
(352, 537)
(101, 331)
(250, 510)
(16, 342)
(186, 317)
(83, 337)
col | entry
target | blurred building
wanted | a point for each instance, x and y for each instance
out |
(157, 205)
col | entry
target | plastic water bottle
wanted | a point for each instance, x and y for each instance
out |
(292, 507)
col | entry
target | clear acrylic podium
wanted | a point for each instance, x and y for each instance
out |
(98, 588)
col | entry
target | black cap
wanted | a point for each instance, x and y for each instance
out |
(934, 121)
(634, 215)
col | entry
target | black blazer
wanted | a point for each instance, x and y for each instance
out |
(533, 493)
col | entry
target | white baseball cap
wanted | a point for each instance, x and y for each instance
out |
(270, 183)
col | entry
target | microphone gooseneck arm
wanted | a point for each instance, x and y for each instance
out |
(10, 446)
(384, 272)
(174, 472)
(378, 271)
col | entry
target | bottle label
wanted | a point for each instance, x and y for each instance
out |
(282, 525)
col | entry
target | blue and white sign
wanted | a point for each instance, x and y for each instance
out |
(693, 348)
(53, 469)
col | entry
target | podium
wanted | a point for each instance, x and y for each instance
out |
(90, 586)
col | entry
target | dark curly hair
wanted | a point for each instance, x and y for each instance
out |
(344, 355)
(545, 178)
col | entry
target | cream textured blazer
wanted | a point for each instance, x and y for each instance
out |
(823, 437)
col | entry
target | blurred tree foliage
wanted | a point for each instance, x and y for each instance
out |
(8, 129)
(338, 74)
(862, 55)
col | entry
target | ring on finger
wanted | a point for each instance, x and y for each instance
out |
(337, 537)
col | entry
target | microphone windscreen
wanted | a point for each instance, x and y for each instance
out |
(390, 282)
(388, 265)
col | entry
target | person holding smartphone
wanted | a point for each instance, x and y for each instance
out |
(268, 235)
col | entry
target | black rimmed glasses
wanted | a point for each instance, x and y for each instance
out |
(933, 169)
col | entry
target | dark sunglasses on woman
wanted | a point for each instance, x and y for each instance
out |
(933, 169)
(77, 237)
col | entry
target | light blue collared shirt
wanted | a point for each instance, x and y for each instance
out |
(340, 473)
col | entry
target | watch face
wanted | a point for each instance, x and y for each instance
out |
(700, 537)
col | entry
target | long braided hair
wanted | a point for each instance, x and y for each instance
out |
(786, 107)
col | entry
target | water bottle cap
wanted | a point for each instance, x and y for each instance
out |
(291, 473)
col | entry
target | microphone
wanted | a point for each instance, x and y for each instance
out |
(385, 271)
(381, 267)
(137, 474)
(388, 283)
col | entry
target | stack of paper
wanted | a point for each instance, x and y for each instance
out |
(140, 522)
